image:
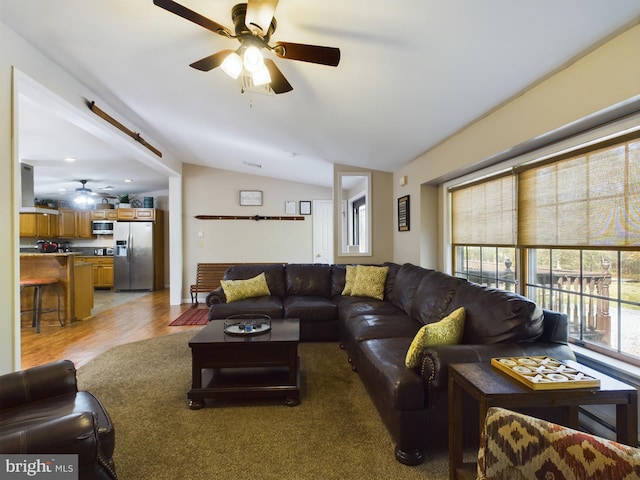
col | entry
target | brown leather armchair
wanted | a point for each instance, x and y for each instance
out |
(42, 412)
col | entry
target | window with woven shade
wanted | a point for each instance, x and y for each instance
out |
(591, 199)
(485, 213)
(571, 224)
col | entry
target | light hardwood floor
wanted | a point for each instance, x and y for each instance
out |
(144, 317)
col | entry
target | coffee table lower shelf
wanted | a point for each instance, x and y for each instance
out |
(244, 383)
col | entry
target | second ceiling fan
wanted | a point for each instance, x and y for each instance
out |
(254, 24)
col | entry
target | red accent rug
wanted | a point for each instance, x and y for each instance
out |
(193, 316)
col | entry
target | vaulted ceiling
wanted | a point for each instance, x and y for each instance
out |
(412, 73)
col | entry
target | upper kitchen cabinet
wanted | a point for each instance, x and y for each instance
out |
(146, 214)
(106, 214)
(34, 225)
(75, 223)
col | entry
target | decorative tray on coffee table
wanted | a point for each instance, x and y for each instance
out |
(247, 324)
(544, 373)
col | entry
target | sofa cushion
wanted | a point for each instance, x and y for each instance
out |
(338, 273)
(448, 331)
(309, 308)
(274, 273)
(235, 290)
(494, 315)
(308, 279)
(369, 281)
(367, 327)
(432, 296)
(270, 305)
(349, 307)
(404, 287)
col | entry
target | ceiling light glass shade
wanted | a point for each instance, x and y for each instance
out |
(261, 76)
(253, 60)
(232, 65)
(83, 199)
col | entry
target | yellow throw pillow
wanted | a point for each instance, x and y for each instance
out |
(235, 290)
(349, 278)
(369, 282)
(447, 331)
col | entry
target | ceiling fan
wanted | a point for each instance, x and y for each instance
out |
(84, 196)
(254, 24)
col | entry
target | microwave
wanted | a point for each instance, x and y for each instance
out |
(102, 227)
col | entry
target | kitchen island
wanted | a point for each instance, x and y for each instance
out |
(75, 284)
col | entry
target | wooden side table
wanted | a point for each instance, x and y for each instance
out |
(492, 388)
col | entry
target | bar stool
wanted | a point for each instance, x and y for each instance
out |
(38, 285)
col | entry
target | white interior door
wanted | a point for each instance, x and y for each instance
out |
(322, 214)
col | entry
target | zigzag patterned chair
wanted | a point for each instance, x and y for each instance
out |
(514, 446)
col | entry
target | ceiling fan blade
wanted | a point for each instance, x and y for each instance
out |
(308, 53)
(259, 15)
(279, 84)
(212, 61)
(192, 16)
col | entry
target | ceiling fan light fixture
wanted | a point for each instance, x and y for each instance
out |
(83, 199)
(83, 195)
(232, 65)
(261, 76)
(253, 60)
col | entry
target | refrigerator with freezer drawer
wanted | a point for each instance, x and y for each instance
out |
(134, 256)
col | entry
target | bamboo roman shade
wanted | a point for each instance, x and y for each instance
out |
(591, 199)
(485, 213)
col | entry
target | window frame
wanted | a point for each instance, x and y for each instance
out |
(613, 132)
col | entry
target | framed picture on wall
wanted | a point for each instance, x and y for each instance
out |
(403, 214)
(250, 197)
(305, 207)
(290, 207)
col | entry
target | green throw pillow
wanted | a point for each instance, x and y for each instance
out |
(235, 290)
(369, 282)
(447, 331)
(349, 278)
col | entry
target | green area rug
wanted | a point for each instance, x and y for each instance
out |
(335, 433)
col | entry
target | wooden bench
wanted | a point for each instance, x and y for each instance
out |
(208, 278)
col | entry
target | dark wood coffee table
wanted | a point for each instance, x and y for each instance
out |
(264, 365)
(492, 388)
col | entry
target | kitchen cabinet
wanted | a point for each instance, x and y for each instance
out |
(144, 214)
(75, 223)
(106, 214)
(83, 224)
(67, 223)
(102, 270)
(41, 225)
(83, 280)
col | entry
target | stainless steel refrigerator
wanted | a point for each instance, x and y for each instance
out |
(133, 256)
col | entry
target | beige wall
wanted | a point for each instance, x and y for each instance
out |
(210, 191)
(605, 77)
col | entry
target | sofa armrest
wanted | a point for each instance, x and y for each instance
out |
(36, 383)
(436, 359)
(549, 449)
(216, 296)
(74, 433)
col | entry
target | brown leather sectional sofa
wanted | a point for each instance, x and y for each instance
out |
(376, 334)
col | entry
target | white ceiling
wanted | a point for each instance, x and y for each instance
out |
(412, 72)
